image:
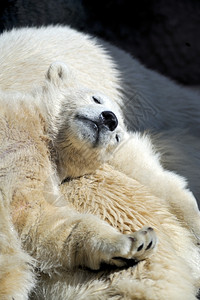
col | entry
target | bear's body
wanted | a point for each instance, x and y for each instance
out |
(27, 191)
(64, 128)
(127, 205)
(148, 100)
(56, 235)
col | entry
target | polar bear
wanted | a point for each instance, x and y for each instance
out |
(96, 127)
(55, 236)
(40, 133)
(148, 100)
(51, 143)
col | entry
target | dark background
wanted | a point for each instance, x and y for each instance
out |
(164, 34)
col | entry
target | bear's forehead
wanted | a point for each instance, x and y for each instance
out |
(88, 96)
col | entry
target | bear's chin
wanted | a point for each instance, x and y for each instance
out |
(88, 132)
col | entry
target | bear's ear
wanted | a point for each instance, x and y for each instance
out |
(59, 74)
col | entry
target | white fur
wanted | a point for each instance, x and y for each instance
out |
(148, 100)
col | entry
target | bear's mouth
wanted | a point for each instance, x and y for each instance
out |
(97, 131)
(89, 129)
(94, 125)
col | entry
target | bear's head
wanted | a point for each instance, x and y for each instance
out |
(86, 127)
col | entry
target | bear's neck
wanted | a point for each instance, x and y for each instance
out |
(75, 165)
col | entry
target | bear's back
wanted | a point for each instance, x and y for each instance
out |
(27, 53)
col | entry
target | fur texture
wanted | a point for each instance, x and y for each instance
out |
(62, 129)
(148, 100)
(57, 237)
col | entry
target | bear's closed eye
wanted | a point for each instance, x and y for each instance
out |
(96, 100)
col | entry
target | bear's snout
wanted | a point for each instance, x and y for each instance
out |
(108, 119)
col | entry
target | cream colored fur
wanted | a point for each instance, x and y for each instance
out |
(148, 100)
(57, 237)
(62, 235)
(42, 143)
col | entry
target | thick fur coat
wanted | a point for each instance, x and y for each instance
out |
(66, 130)
(148, 100)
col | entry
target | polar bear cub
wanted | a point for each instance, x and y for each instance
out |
(68, 123)
(86, 122)
(88, 130)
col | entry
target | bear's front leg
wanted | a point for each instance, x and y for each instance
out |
(93, 242)
(142, 163)
(59, 237)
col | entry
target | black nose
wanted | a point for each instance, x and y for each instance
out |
(109, 119)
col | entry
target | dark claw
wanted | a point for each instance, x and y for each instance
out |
(144, 232)
(149, 246)
(132, 239)
(140, 247)
(150, 228)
